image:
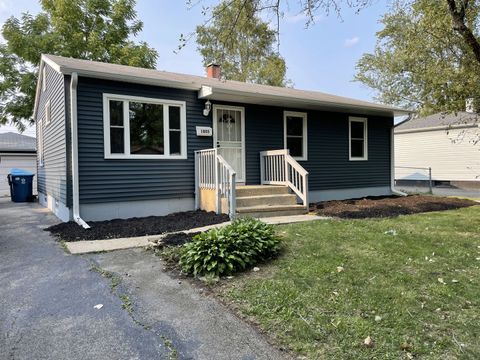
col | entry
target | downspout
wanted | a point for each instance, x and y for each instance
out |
(392, 165)
(75, 179)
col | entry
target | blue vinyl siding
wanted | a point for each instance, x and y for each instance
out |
(108, 180)
(328, 161)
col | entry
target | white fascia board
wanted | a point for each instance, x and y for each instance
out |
(130, 79)
(43, 60)
(437, 128)
(286, 101)
(51, 63)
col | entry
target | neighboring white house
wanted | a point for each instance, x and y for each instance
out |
(448, 143)
(16, 151)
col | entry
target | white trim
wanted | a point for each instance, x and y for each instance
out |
(392, 164)
(54, 65)
(126, 127)
(302, 115)
(436, 128)
(44, 78)
(365, 138)
(242, 127)
(58, 208)
(48, 112)
(40, 149)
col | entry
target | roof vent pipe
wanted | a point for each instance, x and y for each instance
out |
(75, 178)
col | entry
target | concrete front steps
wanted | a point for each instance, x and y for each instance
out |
(267, 201)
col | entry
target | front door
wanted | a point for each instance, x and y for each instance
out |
(229, 132)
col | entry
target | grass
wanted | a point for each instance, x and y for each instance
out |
(422, 284)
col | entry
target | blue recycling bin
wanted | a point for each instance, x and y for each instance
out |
(20, 182)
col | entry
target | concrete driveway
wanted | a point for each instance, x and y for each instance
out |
(47, 300)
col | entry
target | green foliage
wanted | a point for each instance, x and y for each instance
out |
(419, 61)
(229, 249)
(98, 30)
(242, 44)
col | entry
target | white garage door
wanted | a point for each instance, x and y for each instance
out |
(8, 162)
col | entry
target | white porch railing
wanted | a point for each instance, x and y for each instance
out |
(277, 167)
(214, 173)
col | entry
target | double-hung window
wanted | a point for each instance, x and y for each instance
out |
(295, 134)
(358, 141)
(144, 128)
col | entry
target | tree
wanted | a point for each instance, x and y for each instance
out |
(420, 61)
(86, 29)
(242, 44)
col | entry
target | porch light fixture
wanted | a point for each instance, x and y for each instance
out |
(208, 107)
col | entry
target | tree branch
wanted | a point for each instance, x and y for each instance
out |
(458, 19)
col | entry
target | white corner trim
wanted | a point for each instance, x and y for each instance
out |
(58, 208)
(126, 127)
(302, 115)
(365, 138)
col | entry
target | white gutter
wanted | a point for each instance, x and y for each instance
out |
(75, 179)
(392, 165)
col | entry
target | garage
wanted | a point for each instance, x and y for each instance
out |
(16, 151)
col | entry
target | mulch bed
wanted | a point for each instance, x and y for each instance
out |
(379, 207)
(177, 239)
(151, 225)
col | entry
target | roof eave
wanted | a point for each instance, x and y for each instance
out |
(221, 94)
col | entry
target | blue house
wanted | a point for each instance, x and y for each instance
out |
(116, 142)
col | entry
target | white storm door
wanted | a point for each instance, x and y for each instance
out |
(229, 136)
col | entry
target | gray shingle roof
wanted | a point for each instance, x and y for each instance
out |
(15, 142)
(247, 91)
(439, 120)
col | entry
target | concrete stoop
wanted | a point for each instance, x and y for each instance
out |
(261, 201)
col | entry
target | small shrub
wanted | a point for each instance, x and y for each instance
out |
(229, 249)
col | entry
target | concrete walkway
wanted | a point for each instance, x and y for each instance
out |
(85, 247)
(47, 300)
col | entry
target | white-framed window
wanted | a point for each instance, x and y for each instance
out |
(144, 128)
(358, 139)
(48, 113)
(44, 78)
(40, 142)
(295, 134)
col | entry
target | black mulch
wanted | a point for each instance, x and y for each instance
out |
(177, 239)
(379, 207)
(151, 225)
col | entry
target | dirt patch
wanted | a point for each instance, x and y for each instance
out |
(151, 225)
(378, 207)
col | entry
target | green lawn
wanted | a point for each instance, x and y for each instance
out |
(423, 282)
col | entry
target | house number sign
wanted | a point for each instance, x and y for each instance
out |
(204, 131)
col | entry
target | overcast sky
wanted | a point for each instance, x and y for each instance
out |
(321, 58)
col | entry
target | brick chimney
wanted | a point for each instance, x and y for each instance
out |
(213, 71)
